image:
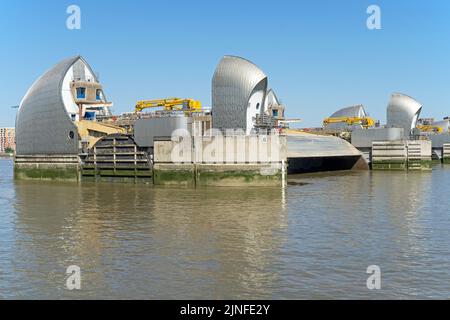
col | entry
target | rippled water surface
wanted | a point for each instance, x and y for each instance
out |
(315, 239)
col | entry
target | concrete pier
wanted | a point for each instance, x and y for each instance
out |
(446, 153)
(401, 155)
(419, 155)
(221, 175)
(220, 161)
(47, 167)
(389, 155)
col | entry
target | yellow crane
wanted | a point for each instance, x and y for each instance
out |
(94, 131)
(429, 128)
(366, 122)
(170, 104)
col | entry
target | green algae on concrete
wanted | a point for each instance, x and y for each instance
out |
(120, 174)
(402, 165)
(121, 179)
(424, 165)
(169, 174)
(389, 165)
(46, 173)
(216, 175)
(237, 175)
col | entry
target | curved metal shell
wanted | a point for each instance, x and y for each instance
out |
(403, 112)
(351, 112)
(271, 99)
(43, 125)
(234, 81)
(348, 112)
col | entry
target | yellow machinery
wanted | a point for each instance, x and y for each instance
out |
(430, 128)
(366, 122)
(94, 131)
(170, 104)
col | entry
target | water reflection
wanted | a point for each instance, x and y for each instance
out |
(149, 242)
(314, 239)
(390, 219)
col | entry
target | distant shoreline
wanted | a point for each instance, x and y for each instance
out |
(6, 156)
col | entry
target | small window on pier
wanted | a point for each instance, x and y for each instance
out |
(98, 94)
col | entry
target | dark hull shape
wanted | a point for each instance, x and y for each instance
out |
(322, 164)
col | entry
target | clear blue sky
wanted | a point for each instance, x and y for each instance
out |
(319, 55)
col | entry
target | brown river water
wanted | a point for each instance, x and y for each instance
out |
(312, 240)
